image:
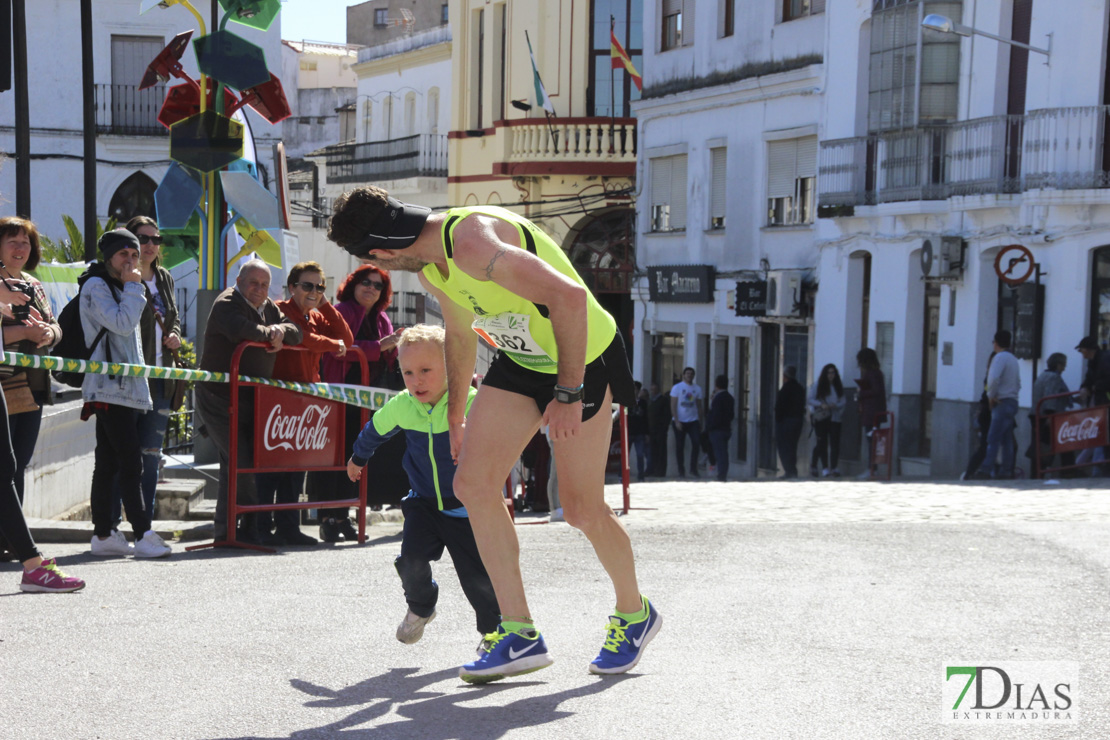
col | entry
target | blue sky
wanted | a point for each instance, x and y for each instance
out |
(315, 20)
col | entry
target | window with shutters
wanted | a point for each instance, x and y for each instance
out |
(668, 193)
(678, 24)
(901, 52)
(718, 157)
(367, 118)
(794, 9)
(791, 181)
(381, 17)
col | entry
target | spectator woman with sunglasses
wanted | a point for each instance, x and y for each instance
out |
(362, 299)
(324, 332)
(160, 329)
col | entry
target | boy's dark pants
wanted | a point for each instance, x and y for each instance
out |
(427, 532)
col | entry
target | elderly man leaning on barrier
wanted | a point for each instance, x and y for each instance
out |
(241, 313)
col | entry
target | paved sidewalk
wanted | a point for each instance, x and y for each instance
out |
(826, 501)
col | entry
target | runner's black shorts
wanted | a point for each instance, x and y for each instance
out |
(610, 370)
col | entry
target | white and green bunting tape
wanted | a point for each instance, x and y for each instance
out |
(369, 398)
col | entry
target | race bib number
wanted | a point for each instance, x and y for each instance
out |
(509, 333)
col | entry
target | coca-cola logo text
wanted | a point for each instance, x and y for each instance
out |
(1086, 429)
(305, 431)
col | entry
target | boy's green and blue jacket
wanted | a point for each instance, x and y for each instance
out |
(427, 458)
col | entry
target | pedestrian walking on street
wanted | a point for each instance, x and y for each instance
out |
(718, 422)
(871, 398)
(499, 276)
(1095, 388)
(687, 412)
(982, 427)
(1003, 386)
(790, 412)
(826, 409)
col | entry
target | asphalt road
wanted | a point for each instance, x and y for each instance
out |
(792, 610)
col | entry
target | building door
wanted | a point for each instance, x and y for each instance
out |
(667, 351)
(1100, 296)
(929, 368)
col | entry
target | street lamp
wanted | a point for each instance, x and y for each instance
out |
(944, 24)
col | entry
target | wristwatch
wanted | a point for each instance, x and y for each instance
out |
(569, 395)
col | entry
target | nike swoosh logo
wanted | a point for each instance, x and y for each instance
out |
(637, 640)
(514, 654)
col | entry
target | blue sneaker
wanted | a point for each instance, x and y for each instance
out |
(507, 654)
(625, 641)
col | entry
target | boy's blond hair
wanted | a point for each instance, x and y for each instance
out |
(422, 333)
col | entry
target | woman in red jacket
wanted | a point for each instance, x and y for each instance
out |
(324, 332)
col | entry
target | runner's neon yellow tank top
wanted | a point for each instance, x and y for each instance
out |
(516, 326)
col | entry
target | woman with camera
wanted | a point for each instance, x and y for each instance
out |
(31, 329)
(39, 575)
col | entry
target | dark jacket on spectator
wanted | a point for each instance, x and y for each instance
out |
(234, 320)
(790, 401)
(638, 418)
(1097, 379)
(721, 412)
(872, 396)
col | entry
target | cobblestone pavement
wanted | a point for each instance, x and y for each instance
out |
(844, 500)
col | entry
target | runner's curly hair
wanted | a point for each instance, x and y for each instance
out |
(353, 213)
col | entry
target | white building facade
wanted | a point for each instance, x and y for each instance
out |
(941, 152)
(395, 137)
(132, 147)
(729, 124)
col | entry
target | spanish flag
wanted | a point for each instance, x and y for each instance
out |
(621, 59)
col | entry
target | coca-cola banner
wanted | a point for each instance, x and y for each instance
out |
(293, 430)
(1077, 430)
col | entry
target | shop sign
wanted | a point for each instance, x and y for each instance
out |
(681, 283)
(751, 298)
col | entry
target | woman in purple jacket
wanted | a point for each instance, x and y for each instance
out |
(363, 297)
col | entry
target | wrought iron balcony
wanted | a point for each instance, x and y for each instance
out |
(1061, 148)
(128, 111)
(419, 155)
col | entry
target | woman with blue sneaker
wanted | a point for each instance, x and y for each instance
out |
(561, 363)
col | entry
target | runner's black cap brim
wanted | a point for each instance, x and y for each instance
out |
(396, 227)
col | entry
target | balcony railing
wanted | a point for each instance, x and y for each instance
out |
(420, 155)
(1060, 148)
(573, 139)
(126, 110)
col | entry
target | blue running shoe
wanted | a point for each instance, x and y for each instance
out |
(507, 654)
(625, 642)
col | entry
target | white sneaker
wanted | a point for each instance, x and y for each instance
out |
(151, 546)
(411, 628)
(116, 544)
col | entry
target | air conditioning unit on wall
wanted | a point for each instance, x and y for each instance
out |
(942, 258)
(784, 294)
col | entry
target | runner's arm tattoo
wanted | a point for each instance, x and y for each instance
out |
(489, 268)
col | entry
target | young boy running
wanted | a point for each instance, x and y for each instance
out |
(434, 518)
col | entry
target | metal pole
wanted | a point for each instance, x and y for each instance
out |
(22, 111)
(88, 89)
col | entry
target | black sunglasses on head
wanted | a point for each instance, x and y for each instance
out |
(375, 284)
(144, 238)
(308, 287)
